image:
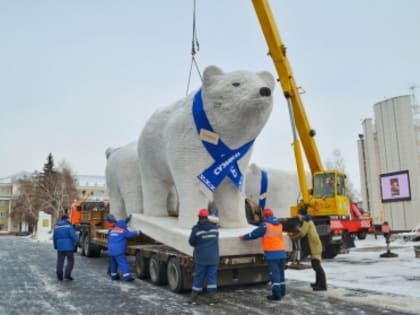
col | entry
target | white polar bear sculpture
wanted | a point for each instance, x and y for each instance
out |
(230, 110)
(124, 183)
(282, 190)
(123, 180)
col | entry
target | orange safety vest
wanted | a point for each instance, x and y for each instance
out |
(273, 237)
(75, 215)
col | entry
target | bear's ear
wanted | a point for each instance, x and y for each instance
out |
(210, 73)
(267, 78)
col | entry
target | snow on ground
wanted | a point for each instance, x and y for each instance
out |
(363, 276)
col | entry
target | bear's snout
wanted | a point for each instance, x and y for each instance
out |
(265, 91)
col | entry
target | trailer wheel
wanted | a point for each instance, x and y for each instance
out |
(91, 250)
(95, 251)
(86, 246)
(175, 274)
(82, 245)
(157, 271)
(362, 235)
(142, 266)
(331, 251)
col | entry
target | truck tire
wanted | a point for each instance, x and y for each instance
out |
(82, 245)
(142, 266)
(91, 250)
(157, 271)
(175, 275)
(331, 251)
(362, 235)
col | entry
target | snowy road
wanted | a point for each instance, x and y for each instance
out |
(28, 286)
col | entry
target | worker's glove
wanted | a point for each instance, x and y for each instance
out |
(213, 219)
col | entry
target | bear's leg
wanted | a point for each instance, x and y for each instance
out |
(191, 200)
(155, 193)
(230, 203)
(172, 204)
(133, 202)
(116, 204)
(131, 192)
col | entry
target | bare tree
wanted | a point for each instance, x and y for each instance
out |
(26, 205)
(51, 191)
(57, 188)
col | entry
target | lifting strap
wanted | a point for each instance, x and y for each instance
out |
(195, 47)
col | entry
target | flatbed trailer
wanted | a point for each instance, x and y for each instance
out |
(165, 265)
(161, 263)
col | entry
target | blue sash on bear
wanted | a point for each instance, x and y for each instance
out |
(225, 159)
(263, 189)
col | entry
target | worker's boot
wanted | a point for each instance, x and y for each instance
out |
(321, 286)
(211, 298)
(193, 298)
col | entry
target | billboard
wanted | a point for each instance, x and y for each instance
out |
(395, 186)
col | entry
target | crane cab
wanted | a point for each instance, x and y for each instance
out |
(327, 197)
(329, 194)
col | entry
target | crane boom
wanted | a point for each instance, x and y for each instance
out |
(277, 51)
(327, 200)
(321, 200)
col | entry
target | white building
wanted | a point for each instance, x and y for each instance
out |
(6, 225)
(389, 151)
(87, 186)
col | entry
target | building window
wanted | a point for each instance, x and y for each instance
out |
(5, 190)
(4, 203)
(2, 214)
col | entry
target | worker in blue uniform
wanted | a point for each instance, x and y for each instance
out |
(117, 247)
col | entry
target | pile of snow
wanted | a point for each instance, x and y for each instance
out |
(363, 276)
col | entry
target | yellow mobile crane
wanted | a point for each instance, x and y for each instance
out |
(327, 201)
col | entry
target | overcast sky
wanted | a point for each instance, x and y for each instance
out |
(79, 76)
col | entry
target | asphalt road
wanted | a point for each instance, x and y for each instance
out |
(28, 286)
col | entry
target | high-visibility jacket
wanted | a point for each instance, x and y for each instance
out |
(270, 230)
(75, 213)
(273, 237)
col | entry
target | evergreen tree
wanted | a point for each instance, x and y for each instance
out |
(51, 191)
(49, 166)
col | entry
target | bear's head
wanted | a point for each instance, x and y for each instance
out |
(237, 104)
